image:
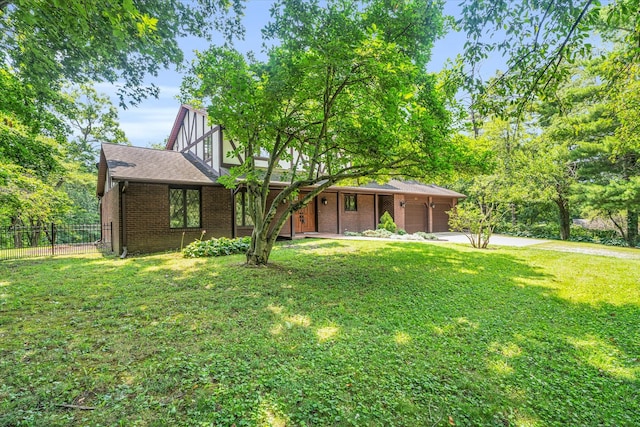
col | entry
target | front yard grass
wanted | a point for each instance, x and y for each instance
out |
(332, 333)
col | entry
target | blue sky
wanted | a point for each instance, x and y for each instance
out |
(151, 121)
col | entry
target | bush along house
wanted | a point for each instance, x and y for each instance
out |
(157, 200)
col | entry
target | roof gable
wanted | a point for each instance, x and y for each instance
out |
(179, 122)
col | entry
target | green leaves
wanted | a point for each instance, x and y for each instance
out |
(217, 247)
(104, 41)
(342, 96)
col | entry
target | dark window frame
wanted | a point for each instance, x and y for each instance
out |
(185, 212)
(351, 203)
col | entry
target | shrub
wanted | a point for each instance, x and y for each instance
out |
(477, 222)
(552, 231)
(401, 231)
(426, 236)
(386, 223)
(352, 233)
(217, 247)
(380, 232)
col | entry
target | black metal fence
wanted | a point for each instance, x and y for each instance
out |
(54, 239)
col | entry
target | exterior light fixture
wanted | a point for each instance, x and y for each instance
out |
(402, 203)
(324, 201)
(432, 205)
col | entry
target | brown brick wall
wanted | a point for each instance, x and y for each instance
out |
(328, 214)
(363, 218)
(216, 211)
(147, 218)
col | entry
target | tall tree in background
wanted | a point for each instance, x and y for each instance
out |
(31, 168)
(609, 151)
(342, 96)
(93, 121)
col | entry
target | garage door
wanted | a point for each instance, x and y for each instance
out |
(415, 217)
(440, 217)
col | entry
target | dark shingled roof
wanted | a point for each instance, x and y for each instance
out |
(412, 187)
(126, 163)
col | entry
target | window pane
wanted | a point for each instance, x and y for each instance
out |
(193, 208)
(242, 210)
(176, 208)
(208, 142)
(239, 209)
(350, 202)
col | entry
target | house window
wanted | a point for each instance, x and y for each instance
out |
(208, 145)
(243, 218)
(264, 154)
(184, 207)
(350, 202)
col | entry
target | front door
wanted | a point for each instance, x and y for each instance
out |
(305, 218)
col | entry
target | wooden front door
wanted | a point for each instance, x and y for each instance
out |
(305, 218)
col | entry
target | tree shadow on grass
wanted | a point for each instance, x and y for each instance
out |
(491, 321)
(334, 333)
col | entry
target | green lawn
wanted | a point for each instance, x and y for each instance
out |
(333, 333)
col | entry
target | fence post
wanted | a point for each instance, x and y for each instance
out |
(53, 239)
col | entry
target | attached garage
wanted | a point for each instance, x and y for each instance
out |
(416, 217)
(440, 217)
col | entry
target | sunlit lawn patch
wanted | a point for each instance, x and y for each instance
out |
(332, 333)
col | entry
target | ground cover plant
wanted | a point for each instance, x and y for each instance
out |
(217, 247)
(332, 333)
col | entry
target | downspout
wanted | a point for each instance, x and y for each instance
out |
(123, 228)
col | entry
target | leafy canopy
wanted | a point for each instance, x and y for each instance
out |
(540, 42)
(343, 87)
(48, 42)
(342, 95)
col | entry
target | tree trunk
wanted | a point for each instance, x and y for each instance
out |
(36, 231)
(565, 218)
(632, 228)
(260, 248)
(16, 223)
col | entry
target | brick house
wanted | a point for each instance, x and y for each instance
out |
(159, 200)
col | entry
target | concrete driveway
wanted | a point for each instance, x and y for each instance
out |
(496, 239)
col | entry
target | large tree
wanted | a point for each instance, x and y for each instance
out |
(31, 168)
(540, 40)
(46, 43)
(609, 150)
(93, 120)
(342, 96)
